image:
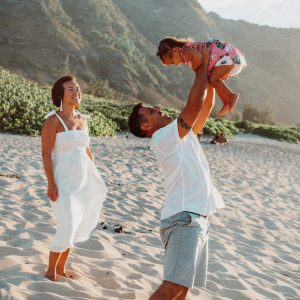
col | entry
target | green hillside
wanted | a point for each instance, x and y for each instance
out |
(24, 105)
(115, 41)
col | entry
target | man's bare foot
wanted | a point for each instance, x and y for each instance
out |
(64, 273)
(50, 276)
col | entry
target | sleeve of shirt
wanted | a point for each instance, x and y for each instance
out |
(166, 139)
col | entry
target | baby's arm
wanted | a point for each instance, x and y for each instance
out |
(193, 55)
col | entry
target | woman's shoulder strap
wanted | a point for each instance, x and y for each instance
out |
(52, 113)
(49, 114)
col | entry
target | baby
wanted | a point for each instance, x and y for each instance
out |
(225, 61)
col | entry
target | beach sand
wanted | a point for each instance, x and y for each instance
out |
(254, 241)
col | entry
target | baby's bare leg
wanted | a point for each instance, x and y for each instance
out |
(228, 98)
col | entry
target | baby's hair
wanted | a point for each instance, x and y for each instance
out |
(168, 43)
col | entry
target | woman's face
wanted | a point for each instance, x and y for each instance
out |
(174, 57)
(72, 93)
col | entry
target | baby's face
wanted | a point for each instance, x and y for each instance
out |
(172, 58)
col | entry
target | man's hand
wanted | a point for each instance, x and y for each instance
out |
(205, 53)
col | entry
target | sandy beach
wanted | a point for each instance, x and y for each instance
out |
(254, 241)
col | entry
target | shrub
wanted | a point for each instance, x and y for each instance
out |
(23, 105)
(246, 126)
(290, 135)
(117, 111)
(99, 125)
(214, 126)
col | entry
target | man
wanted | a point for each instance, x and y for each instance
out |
(191, 196)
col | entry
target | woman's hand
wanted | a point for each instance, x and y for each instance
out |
(52, 192)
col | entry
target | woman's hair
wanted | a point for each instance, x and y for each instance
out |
(135, 121)
(57, 91)
(168, 43)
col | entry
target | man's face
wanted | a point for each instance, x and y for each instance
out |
(154, 118)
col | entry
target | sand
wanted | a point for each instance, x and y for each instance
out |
(254, 241)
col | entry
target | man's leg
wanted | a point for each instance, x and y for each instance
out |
(183, 236)
(170, 291)
(183, 295)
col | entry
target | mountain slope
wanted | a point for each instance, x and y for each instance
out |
(116, 40)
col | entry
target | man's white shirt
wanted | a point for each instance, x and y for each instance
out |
(187, 183)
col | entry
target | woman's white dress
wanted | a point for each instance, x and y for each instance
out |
(81, 189)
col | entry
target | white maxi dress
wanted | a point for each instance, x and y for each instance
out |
(81, 189)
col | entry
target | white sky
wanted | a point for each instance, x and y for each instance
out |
(276, 13)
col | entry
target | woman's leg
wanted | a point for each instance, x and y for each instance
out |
(228, 98)
(60, 268)
(53, 260)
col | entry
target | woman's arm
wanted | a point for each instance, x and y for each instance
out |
(89, 153)
(48, 139)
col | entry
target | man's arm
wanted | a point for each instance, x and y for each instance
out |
(205, 111)
(191, 111)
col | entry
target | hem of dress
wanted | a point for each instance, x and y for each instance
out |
(58, 249)
(79, 240)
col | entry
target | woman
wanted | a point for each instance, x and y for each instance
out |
(75, 187)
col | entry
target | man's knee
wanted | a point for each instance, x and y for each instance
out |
(169, 291)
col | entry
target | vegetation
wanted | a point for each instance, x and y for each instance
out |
(224, 126)
(23, 106)
(291, 135)
(281, 133)
(115, 42)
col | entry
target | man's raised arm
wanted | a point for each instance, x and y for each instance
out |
(191, 111)
(205, 110)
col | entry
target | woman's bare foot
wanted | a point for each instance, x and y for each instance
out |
(51, 276)
(64, 273)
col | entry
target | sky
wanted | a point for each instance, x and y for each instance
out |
(275, 13)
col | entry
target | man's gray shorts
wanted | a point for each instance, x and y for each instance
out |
(185, 238)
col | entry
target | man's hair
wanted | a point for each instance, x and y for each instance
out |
(58, 89)
(135, 121)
